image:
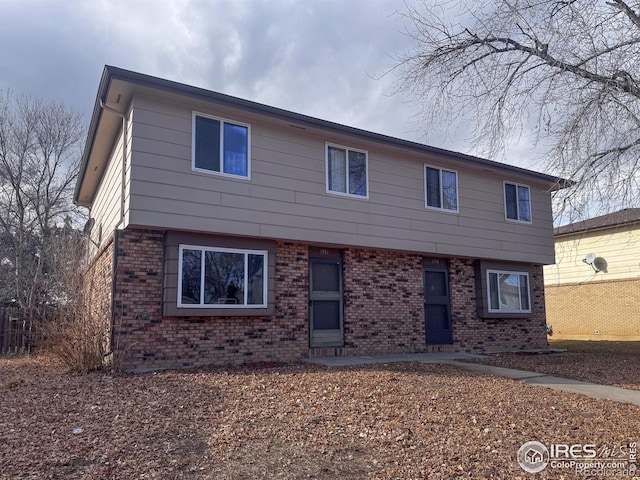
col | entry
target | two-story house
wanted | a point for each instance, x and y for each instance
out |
(224, 230)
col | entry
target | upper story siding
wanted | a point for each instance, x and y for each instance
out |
(286, 197)
(108, 208)
(139, 173)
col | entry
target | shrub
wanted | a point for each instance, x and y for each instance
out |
(77, 337)
(78, 332)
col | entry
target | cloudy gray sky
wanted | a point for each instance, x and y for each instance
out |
(323, 58)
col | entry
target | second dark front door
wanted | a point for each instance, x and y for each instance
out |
(436, 306)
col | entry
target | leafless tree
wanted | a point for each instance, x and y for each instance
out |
(39, 157)
(566, 71)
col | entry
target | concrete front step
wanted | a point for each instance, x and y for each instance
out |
(446, 348)
(323, 352)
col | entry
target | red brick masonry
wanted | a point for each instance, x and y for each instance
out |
(97, 291)
(383, 311)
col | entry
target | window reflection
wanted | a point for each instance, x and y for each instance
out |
(508, 291)
(221, 277)
(346, 171)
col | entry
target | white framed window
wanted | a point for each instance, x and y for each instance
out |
(508, 292)
(440, 188)
(220, 146)
(517, 202)
(212, 277)
(347, 171)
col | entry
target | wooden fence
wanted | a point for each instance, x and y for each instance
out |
(16, 332)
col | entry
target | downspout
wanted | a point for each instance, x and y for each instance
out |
(123, 183)
(113, 298)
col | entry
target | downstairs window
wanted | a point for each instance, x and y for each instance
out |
(508, 292)
(211, 277)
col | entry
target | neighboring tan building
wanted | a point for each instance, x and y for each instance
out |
(225, 230)
(593, 290)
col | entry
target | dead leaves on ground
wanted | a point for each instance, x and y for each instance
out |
(288, 421)
(608, 363)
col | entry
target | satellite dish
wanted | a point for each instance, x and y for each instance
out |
(600, 264)
(89, 226)
(589, 258)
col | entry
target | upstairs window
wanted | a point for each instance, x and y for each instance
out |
(347, 171)
(517, 202)
(221, 277)
(508, 291)
(220, 146)
(441, 189)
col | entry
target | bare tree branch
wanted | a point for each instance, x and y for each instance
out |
(627, 10)
(570, 65)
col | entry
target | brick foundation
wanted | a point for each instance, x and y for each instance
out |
(474, 334)
(577, 311)
(98, 289)
(383, 311)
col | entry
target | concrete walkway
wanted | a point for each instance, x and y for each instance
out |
(592, 390)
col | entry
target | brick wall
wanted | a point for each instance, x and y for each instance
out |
(383, 302)
(576, 311)
(97, 290)
(383, 311)
(474, 334)
(147, 340)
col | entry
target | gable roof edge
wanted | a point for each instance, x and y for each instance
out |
(626, 216)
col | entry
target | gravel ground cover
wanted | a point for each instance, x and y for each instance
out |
(295, 421)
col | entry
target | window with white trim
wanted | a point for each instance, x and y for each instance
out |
(517, 202)
(220, 146)
(441, 188)
(211, 277)
(508, 292)
(347, 171)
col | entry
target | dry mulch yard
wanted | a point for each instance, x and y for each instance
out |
(608, 363)
(287, 421)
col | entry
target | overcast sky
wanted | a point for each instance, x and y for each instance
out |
(318, 57)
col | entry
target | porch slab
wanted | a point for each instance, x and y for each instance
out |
(433, 357)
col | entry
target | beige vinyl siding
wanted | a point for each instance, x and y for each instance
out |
(286, 197)
(619, 246)
(107, 203)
